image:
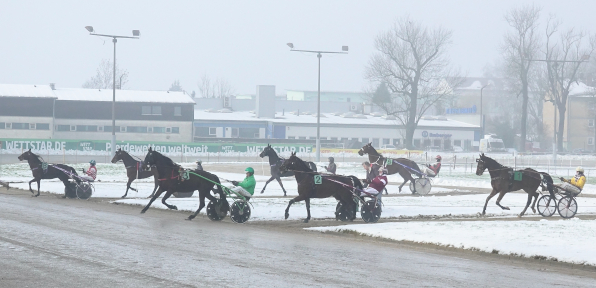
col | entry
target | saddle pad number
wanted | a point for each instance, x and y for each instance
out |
(318, 179)
(186, 175)
(389, 162)
(517, 176)
(44, 166)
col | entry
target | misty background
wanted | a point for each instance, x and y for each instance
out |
(243, 42)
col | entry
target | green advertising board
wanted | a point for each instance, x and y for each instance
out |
(17, 145)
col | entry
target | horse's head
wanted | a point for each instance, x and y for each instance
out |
(27, 155)
(150, 158)
(266, 151)
(292, 163)
(365, 149)
(117, 156)
(481, 165)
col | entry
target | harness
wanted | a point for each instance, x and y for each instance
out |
(172, 177)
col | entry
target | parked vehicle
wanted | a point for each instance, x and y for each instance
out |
(491, 143)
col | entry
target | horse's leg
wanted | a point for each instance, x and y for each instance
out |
(270, 179)
(154, 188)
(296, 199)
(38, 186)
(307, 201)
(536, 194)
(128, 186)
(159, 191)
(492, 193)
(530, 195)
(165, 197)
(30, 185)
(202, 197)
(282, 185)
(499, 200)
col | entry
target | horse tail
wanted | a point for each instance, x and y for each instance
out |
(217, 188)
(356, 182)
(548, 181)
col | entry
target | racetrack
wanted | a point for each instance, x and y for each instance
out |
(53, 242)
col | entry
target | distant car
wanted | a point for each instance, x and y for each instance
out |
(388, 147)
(433, 149)
(458, 149)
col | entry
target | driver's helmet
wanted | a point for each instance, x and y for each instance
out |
(331, 159)
(439, 157)
(92, 162)
(199, 161)
(579, 169)
(249, 169)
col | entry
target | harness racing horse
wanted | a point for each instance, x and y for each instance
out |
(308, 188)
(375, 157)
(135, 170)
(502, 182)
(275, 162)
(36, 166)
(172, 181)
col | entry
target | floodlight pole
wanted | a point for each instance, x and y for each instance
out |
(319, 55)
(136, 35)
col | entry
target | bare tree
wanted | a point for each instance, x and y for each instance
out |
(104, 76)
(217, 89)
(520, 44)
(564, 58)
(412, 61)
(175, 86)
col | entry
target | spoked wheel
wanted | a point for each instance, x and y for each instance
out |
(546, 206)
(567, 207)
(217, 210)
(423, 185)
(240, 212)
(71, 190)
(412, 187)
(342, 213)
(371, 211)
(84, 190)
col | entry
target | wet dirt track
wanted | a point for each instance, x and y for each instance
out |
(51, 242)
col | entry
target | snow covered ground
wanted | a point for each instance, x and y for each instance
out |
(564, 240)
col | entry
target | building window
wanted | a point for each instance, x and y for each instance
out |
(365, 141)
(176, 130)
(87, 128)
(291, 137)
(302, 138)
(136, 129)
(109, 128)
(42, 126)
(146, 110)
(590, 140)
(235, 132)
(177, 111)
(212, 131)
(386, 141)
(457, 143)
(591, 123)
(417, 143)
(62, 127)
(155, 110)
(20, 126)
(437, 142)
(159, 129)
(2, 125)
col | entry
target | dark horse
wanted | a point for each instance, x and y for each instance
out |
(35, 164)
(172, 181)
(307, 188)
(276, 161)
(503, 182)
(135, 170)
(375, 157)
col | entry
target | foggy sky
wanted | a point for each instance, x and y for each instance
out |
(242, 41)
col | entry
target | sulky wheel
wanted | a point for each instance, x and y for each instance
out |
(411, 186)
(546, 206)
(370, 212)
(240, 211)
(217, 210)
(341, 213)
(84, 190)
(422, 186)
(567, 207)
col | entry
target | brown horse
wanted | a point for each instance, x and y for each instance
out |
(502, 181)
(405, 167)
(276, 161)
(308, 188)
(135, 170)
(35, 164)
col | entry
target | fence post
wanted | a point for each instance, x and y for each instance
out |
(454, 160)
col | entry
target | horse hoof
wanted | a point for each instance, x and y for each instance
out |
(305, 221)
(123, 196)
(505, 208)
(189, 218)
(287, 215)
(143, 211)
(174, 208)
(262, 191)
(519, 216)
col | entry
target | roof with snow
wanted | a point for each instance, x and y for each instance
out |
(326, 119)
(581, 89)
(32, 91)
(80, 94)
